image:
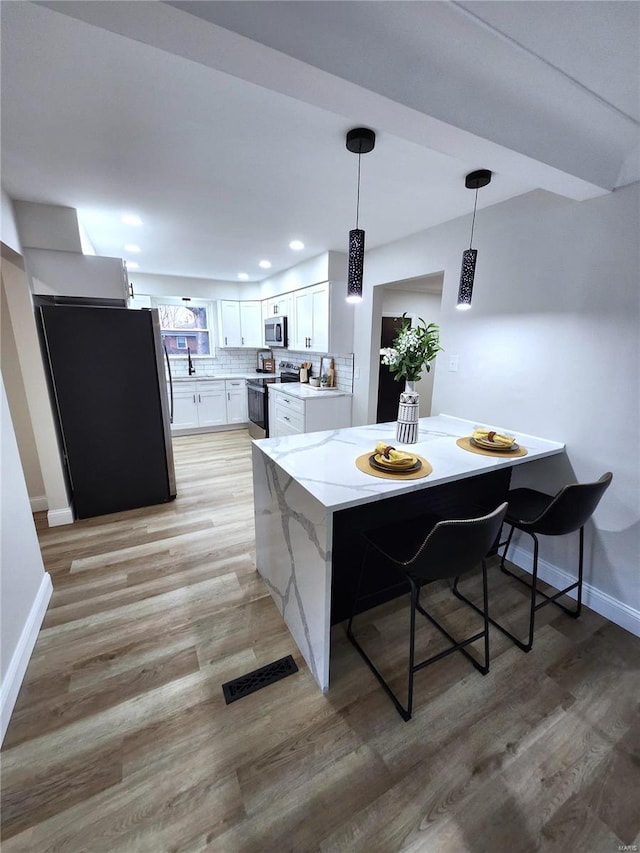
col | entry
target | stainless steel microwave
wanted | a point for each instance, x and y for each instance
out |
(275, 332)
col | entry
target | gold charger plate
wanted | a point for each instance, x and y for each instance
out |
(363, 464)
(465, 444)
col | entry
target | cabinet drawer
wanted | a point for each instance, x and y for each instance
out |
(292, 403)
(183, 388)
(293, 420)
(205, 386)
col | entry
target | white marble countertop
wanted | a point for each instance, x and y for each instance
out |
(211, 377)
(324, 462)
(304, 391)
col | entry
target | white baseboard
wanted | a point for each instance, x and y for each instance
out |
(58, 517)
(20, 659)
(39, 503)
(612, 609)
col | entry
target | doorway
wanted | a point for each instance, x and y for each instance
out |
(388, 388)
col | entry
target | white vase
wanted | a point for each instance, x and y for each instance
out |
(408, 414)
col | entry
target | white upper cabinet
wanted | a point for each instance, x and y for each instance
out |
(251, 328)
(240, 323)
(311, 312)
(56, 273)
(279, 306)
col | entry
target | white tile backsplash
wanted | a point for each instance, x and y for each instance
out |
(225, 361)
(245, 361)
(343, 365)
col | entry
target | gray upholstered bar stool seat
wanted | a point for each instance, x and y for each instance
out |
(426, 550)
(537, 513)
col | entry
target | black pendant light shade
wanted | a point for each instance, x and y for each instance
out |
(465, 289)
(473, 181)
(360, 140)
(356, 265)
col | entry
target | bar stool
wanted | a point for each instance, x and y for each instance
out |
(537, 513)
(426, 551)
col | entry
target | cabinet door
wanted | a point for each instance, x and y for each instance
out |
(236, 401)
(320, 318)
(303, 319)
(251, 324)
(185, 406)
(139, 300)
(212, 407)
(230, 330)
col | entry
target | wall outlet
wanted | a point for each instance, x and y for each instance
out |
(454, 360)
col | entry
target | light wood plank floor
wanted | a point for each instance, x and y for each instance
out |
(121, 740)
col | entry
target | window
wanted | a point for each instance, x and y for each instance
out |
(185, 328)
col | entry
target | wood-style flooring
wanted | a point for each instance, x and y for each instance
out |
(121, 740)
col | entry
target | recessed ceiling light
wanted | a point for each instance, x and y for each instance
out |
(243, 275)
(131, 219)
(296, 245)
(132, 265)
(265, 265)
(132, 247)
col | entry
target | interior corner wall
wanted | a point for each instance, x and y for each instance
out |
(550, 347)
(14, 386)
(20, 307)
(8, 227)
(25, 587)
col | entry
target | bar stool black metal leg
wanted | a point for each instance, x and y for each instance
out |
(504, 553)
(415, 592)
(485, 603)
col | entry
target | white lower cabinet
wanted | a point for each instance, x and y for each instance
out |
(203, 403)
(291, 415)
(237, 408)
(185, 406)
(212, 404)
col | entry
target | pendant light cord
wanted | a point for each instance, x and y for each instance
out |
(358, 193)
(473, 221)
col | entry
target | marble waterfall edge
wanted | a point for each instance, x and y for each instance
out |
(294, 559)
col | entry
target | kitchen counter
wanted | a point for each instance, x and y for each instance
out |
(213, 376)
(305, 486)
(304, 391)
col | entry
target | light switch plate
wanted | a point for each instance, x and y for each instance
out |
(454, 360)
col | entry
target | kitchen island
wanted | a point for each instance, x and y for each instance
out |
(310, 500)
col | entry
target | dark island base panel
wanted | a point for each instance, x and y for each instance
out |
(468, 498)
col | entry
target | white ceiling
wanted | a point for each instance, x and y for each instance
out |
(222, 125)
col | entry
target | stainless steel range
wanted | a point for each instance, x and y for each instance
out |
(258, 397)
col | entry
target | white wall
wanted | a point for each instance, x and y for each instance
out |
(196, 288)
(550, 347)
(25, 587)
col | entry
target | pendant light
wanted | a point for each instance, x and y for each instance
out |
(360, 141)
(473, 181)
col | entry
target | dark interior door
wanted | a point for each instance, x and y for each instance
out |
(388, 389)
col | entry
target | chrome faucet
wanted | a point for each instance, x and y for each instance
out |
(192, 369)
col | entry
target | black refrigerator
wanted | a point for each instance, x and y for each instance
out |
(108, 385)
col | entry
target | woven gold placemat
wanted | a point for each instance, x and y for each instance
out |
(465, 444)
(362, 464)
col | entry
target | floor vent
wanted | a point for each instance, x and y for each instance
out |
(262, 677)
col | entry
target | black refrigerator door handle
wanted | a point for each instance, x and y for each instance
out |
(166, 355)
